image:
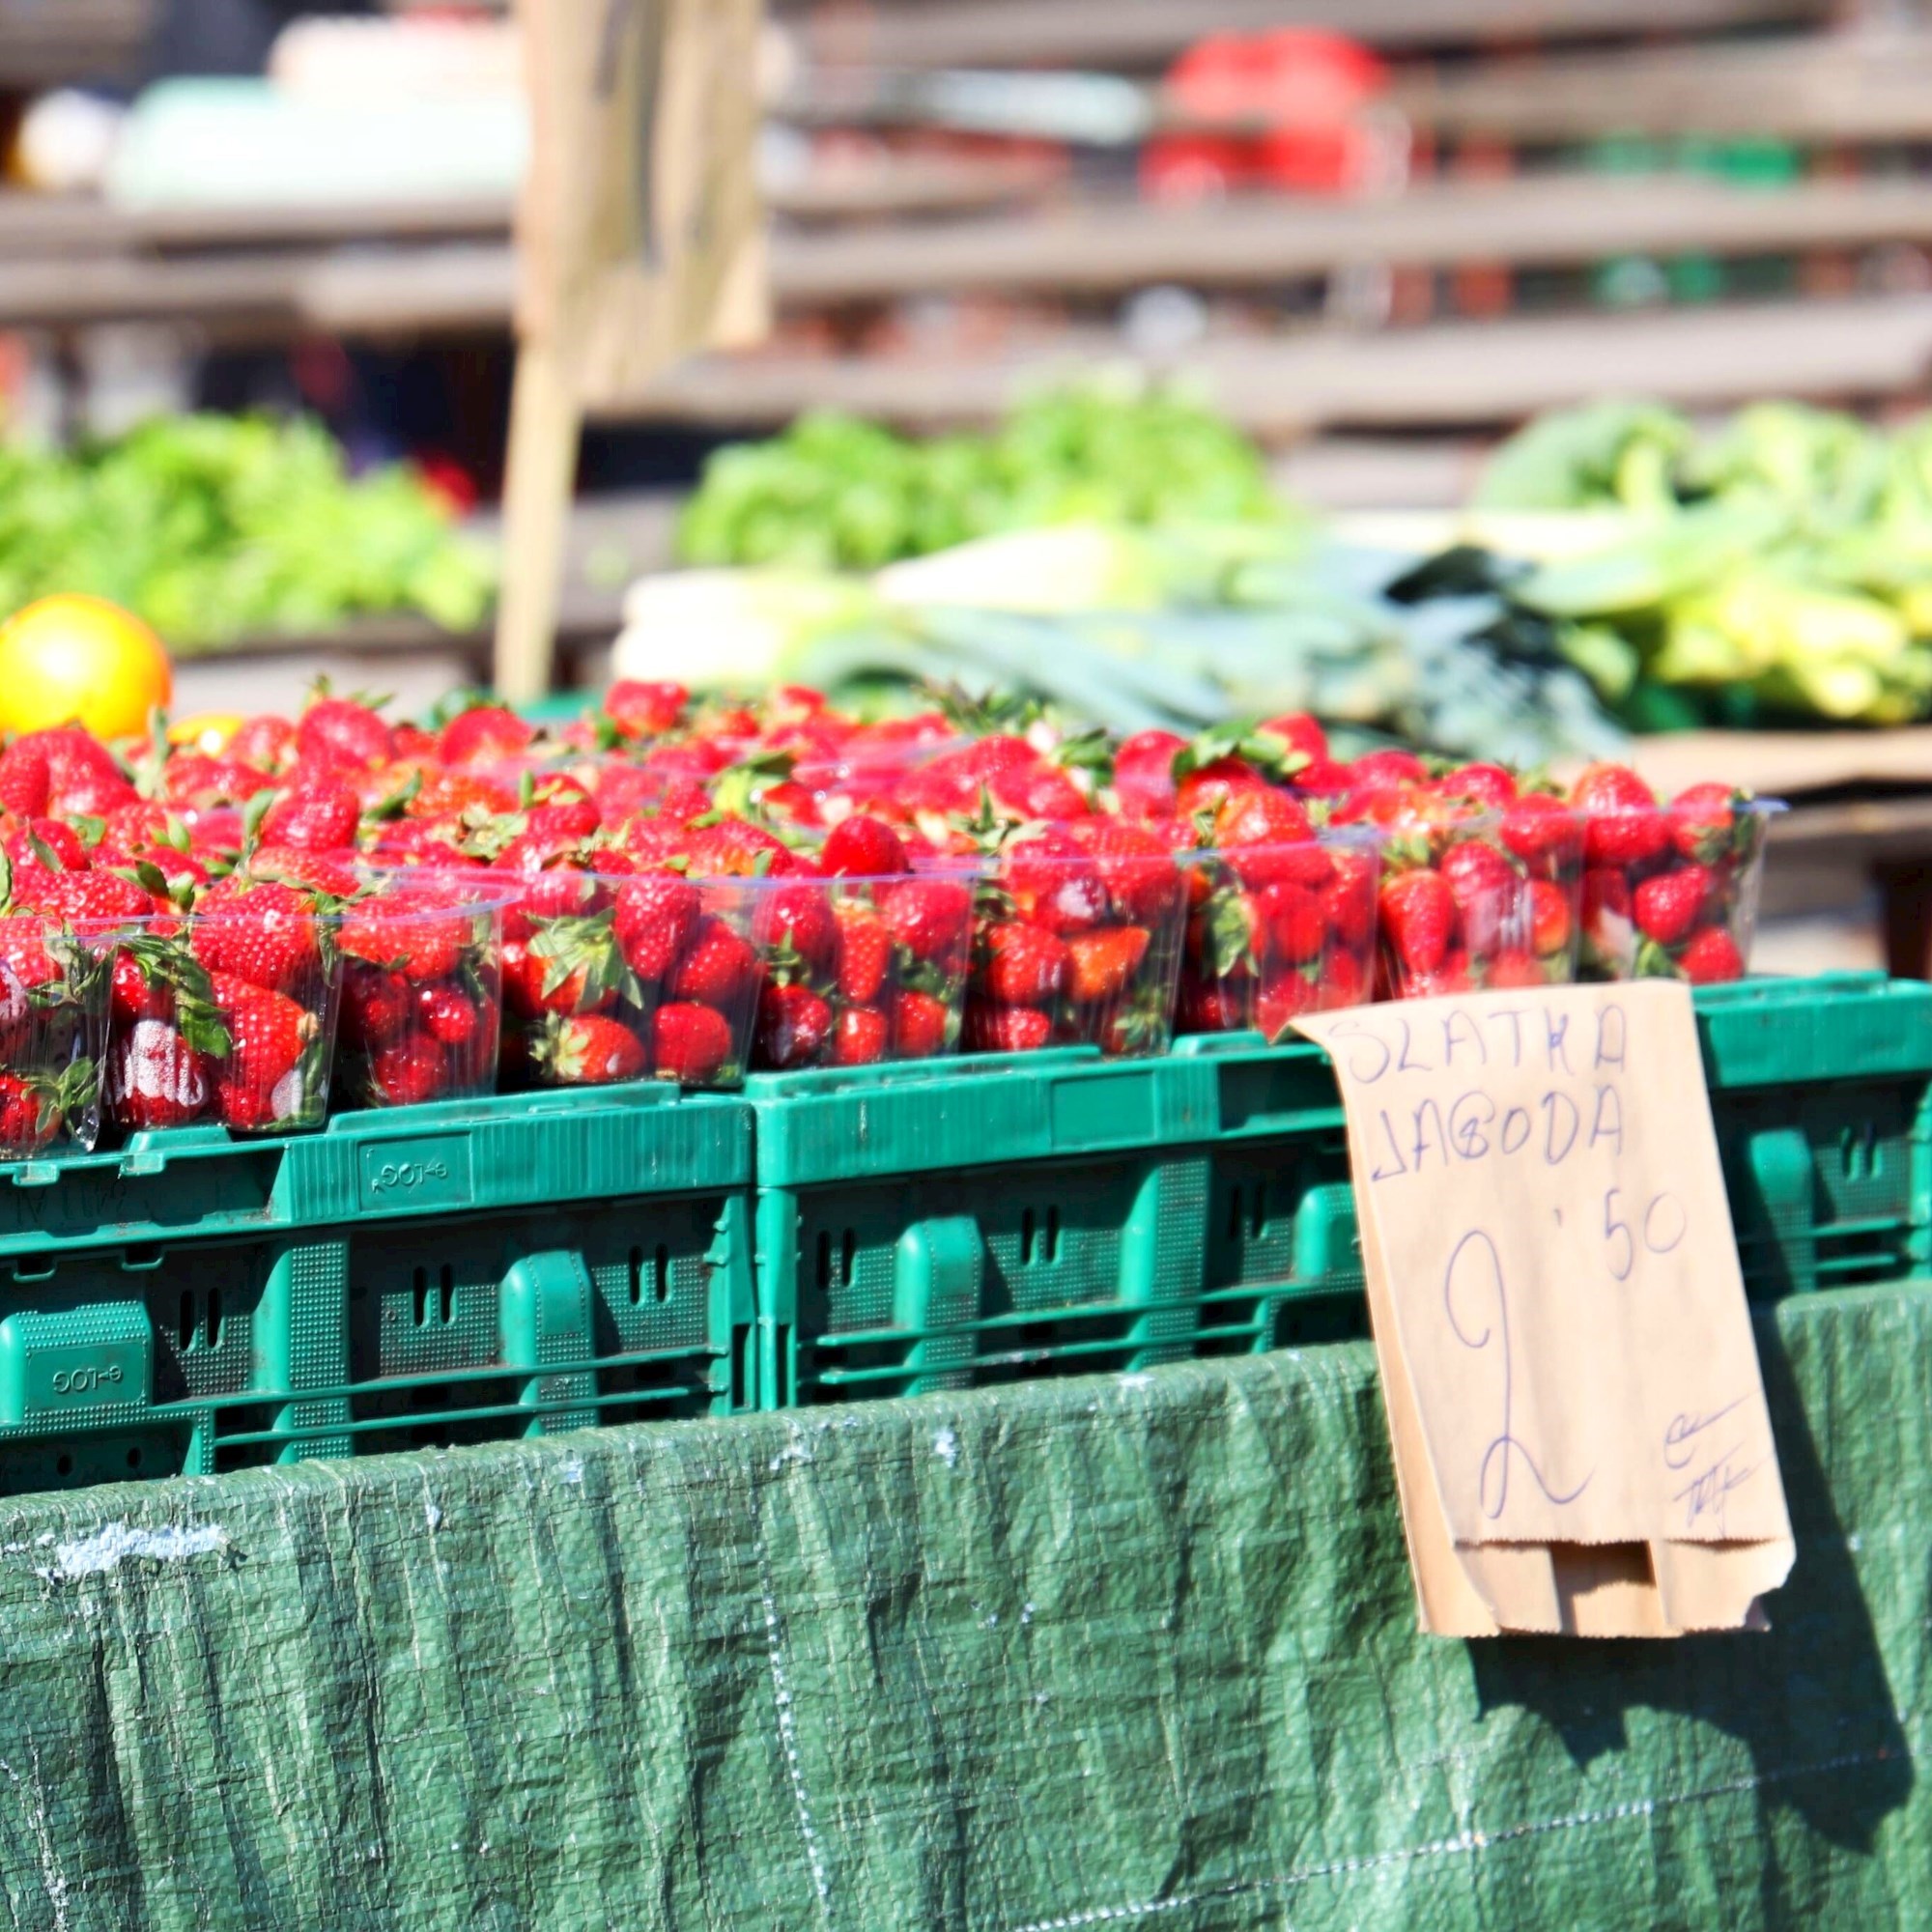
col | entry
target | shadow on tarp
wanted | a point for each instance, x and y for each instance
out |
(1810, 1700)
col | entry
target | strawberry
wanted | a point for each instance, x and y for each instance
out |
(861, 1037)
(1703, 821)
(1214, 1006)
(734, 848)
(339, 734)
(406, 1072)
(1136, 867)
(1550, 925)
(1490, 787)
(418, 939)
(794, 1024)
(266, 935)
(377, 1006)
(1516, 970)
(483, 731)
(1143, 773)
(1624, 826)
(1024, 966)
(794, 918)
(718, 968)
(930, 918)
(1006, 1029)
(864, 847)
(132, 995)
(1290, 924)
(1100, 965)
(1711, 957)
(1378, 771)
(96, 898)
(1260, 817)
(641, 710)
(267, 743)
(690, 1042)
(29, 1115)
(1055, 885)
(1040, 790)
(921, 1023)
(656, 913)
(195, 779)
(1666, 907)
(262, 1080)
(1539, 828)
(451, 1014)
(1418, 919)
(451, 794)
(1341, 979)
(567, 978)
(1281, 999)
(1349, 900)
(49, 844)
(589, 1050)
(329, 874)
(1210, 786)
(1301, 733)
(1606, 910)
(865, 956)
(155, 1079)
(25, 781)
(321, 816)
(83, 781)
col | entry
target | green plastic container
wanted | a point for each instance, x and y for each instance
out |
(437, 1275)
(989, 1220)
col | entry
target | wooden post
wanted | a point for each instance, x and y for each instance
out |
(639, 239)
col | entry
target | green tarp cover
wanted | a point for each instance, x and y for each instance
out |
(1132, 1652)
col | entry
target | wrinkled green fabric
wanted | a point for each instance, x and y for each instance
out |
(1109, 1653)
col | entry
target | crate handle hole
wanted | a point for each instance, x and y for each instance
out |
(824, 1259)
(447, 1282)
(1026, 1237)
(661, 1274)
(142, 1258)
(64, 1466)
(636, 1276)
(34, 1268)
(214, 1317)
(1233, 1214)
(188, 1321)
(1052, 1253)
(848, 1251)
(133, 1459)
(419, 1297)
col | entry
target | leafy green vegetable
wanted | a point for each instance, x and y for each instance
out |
(833, 493)
(211, 526)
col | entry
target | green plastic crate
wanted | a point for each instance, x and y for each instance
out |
(435, 1274)
(984, 1220)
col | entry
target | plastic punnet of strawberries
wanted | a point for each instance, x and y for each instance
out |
(1669, 890)
(862, 961)
(422, 964)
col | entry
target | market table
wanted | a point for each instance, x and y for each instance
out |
(1104, 1651)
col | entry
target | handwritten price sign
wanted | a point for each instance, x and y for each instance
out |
(1572, 1388)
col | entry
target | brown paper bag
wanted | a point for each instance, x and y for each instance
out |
(1572, 1390)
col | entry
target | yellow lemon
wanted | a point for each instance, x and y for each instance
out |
(208, 732)
(83, 660)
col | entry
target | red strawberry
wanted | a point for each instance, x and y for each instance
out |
(96, 898)
(195, 779)
(1214, 1006)
(376, 1007)
(1301, 733)
(1349, 900)
(49, 844)
(1137, 868)
(860, 1038)
(483, 731)
(1537, 827)
(1281, 999)
(589, 1050)
(794, 1024)
(1668, 906)
(24, 779)
(865, 956)
(717, 970)
(930, 918)
(133, 996)
(83, 781)
(1024, 966)
(450, 1013)
(1342, 981)
(1549, 922)
(1376, 771)
(1006, 1029)
(267, 743)
(1261, 818)
(263, 933)
(1040, 790)
(261, 1083)
(1490, 787)
(1606, 910)
(1514, 971)
(1711, 957)
(1418, 919)
(1489, 895)
(321, 816)
(29, 1115)
(568, 980)
(407, 1072)
(641, 710)
(414, 937)
(734, 848)
(862, 847)
(1101, 965)
(794, 915)
(324, 873)
(921, 1022)
(1703, 821)
(1624, 826)
(339, 734)
(1208, 788)
(689, 1042)
(155, 1079)
(656, 913)
(1291, 923)
(1143, 773)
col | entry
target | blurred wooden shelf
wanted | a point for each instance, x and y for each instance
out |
(1102, 33)
(1449, 375)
